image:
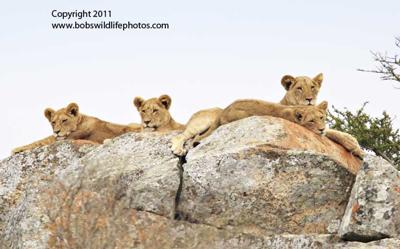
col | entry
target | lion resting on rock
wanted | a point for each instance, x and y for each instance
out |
(311, 117)
(156, 117)
(69, 123)
(301, 91)
(155, 114)
(304, 91)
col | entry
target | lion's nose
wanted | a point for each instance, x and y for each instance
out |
(309, 99)
(146, 122)
(57, 131)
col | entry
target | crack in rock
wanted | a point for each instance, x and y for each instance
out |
(181, 162)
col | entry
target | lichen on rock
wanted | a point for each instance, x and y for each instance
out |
(260, 182)
(373, 209)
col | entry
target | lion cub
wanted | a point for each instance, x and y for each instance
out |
(155, 114)
(300, 91)
(156, 117)
(311, 117)
(204, 122)
(69, 123)
(303, 90)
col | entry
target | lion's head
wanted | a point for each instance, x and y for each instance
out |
(312, 117)
(301, 90)
(154, 112)
(64, 121)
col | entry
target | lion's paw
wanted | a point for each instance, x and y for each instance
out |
(177, 146)
(358, 152)
(107, 141)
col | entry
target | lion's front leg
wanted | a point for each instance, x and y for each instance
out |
(178, 144)
(193, 129)
(346, 140)
(200, 125)
(40, 143)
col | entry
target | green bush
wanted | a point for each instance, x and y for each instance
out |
(375, 134)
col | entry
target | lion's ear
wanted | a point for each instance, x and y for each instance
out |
(287, 81)
(323, 105)
(318, 79)
(48, 113)
(165, 101)
(299, 114)
(138, 102)
(73, 109)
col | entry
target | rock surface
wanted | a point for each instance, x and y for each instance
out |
(22, 177)
(274, 133)
(380, 244)
(87, 193)
(373, 211)
(251, 180)
(246, 186)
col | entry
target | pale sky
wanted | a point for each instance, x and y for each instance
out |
(213, 53)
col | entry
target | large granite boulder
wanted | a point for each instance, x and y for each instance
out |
(89, 194)
(265, 174)
(261, 182)
(22, 178)
(373, 211)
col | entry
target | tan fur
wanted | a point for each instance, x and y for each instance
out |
(69, 123)
(349, 142)
(311, 117)
(301, 90)
(200, 125)
(304, 91)
(203, 123)
(155, 114)
(346, 140)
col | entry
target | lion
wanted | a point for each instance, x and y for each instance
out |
(311, 117)
(300, 91)
(156, 117)
(303, 90)
(305, 93)
(155, 114)
(204, 122)
(69, 124)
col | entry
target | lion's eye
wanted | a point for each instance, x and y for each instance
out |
(312, 87)
(143, 111)
(155, 111)
(322, 118)
(63, 121)
(300, 88)
(312, 121)
(53, 123)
